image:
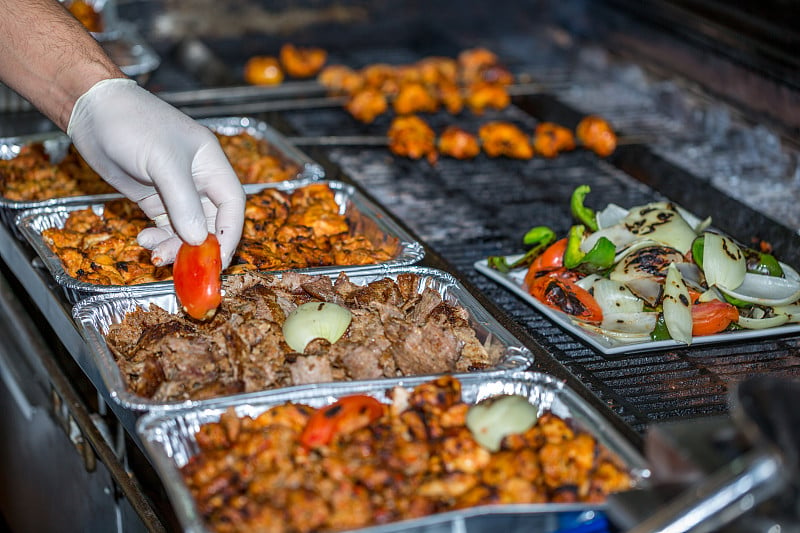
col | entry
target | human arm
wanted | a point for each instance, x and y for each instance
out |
(155, 155)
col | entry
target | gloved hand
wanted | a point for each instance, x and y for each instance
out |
(170, 165)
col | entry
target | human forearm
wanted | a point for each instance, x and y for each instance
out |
(48, 57)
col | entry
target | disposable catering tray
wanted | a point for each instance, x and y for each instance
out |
(169, 439)
(57, 143)
(364, 217)
(94, 315)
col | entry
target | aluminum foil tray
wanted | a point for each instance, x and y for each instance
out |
(168, 438)
(56, 144)
(363, 215)
(94, 315)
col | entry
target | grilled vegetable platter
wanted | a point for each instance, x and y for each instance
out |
(649, 277)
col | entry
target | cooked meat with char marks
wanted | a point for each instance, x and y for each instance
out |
(398, 328)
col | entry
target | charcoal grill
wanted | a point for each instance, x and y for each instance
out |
(719, 148)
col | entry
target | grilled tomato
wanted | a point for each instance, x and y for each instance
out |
(197, 274)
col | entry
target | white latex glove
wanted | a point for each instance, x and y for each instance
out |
(170, 165)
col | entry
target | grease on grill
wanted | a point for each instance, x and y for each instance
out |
(417, 459)
(398, 329)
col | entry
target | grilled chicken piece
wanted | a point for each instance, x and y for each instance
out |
(458, 143)
(437, 70)
(392, 469)
(302, 62)
(481, 96)
(410, 136)
(340, 79)
(367, 104)
(550, 139)
(503, 139)
(263, 70)
(415, 98)
(596, 134)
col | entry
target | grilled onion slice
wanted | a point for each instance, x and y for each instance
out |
(769, 291)
(314, 320)
(724, 264)
(677, 307)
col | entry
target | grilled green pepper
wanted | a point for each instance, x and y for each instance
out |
(660, 332)
(538, 238)
(600, 257)
(582, 214)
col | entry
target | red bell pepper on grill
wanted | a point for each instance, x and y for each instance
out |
(712, 317)
(557, 289)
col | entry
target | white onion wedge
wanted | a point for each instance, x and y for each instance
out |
(661, 222)
(639, 323)
(618, 234)
(314, 320)
(587, 282)
(762, 323)
(614, 297)
(724, 264)
(622, 336)
(610, 216)
(792, 312)
(677, 307)
(765, 290)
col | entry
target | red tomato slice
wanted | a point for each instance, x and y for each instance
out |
(197, 274)
(343, 416)
(557, 290)
(550, 259)
(712, 317)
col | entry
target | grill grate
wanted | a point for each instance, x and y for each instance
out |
(466, 211)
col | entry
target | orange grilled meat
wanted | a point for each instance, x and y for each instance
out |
(302, 62)
(481, 96)
(299, 229)
(504, 139)
(550, 139)
(263, 70)
(86, 15)
(384, 469)
(367, 104)
(410, 136)
(340, 79)
(596, 134)
(458, 143)
(415, 98)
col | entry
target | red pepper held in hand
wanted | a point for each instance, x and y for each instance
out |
(343, 416)
(197, 274)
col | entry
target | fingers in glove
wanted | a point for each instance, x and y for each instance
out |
(226, 194)
(162, 241)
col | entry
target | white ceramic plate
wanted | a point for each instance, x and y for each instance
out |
(607, 345)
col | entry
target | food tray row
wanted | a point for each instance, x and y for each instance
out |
(167, 429)
(364, 218)
(57, 143)
(94, 316)
(169, 438)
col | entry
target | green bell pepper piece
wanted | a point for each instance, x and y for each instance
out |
(582, 214)
(660, 332)
(600, 257)
(538, 238)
